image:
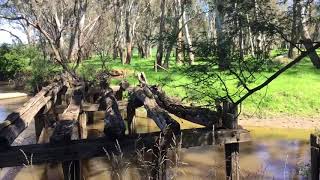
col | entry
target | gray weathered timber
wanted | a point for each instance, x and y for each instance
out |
(114, 124)
(16, 122)
(198, 115)
(230, 121)
(88, 148)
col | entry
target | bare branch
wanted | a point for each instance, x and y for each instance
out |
(15, 36)
(279, 72)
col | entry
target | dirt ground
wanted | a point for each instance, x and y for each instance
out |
(281, 122)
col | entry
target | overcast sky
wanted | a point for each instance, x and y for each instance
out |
(5, 37)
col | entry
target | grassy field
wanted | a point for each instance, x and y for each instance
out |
(295, 93)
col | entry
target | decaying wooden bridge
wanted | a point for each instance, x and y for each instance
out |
(67, 108)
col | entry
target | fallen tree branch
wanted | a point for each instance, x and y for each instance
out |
(198, 115)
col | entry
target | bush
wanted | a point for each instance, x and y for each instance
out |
(42, 71)
(12, 60)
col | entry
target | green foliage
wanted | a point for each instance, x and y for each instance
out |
(12, 60)
(88, 71)
(293, 93)
(41, 70)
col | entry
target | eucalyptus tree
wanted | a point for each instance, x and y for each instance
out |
(67, 26)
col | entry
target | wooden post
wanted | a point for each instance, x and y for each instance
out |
(314, 143)
(90, 117)
(66, 130)
(230, 121)
(39, 122)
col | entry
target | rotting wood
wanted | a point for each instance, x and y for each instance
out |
(198, 115)
(88, 148)
(114, 124)
(83, 126)
(133, 104)
(230, 121)
(315, 156)
(66, 130)
(163, 120)
(39, 122)
(123, 86)
(16, 122)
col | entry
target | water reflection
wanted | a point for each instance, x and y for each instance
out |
(9, 105)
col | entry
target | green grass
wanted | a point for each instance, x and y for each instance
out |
(294, 93)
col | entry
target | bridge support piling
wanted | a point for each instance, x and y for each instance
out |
(230, 121)
(315, 156)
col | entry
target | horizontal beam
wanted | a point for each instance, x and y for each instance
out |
(88, 148)
(16, 122)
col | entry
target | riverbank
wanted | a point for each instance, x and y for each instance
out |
(311, 123)
(12, 95)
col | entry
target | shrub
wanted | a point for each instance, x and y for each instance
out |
(12, 60)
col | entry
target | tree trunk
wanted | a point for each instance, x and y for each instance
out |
(306, 38)
(293, 30)
(250, 36)
(187, 37)
(175, 32)
(141, 51)
(147, 49)
(222, 44)
(161, 31)
(118, 31)
(128, 34)
(179, 49)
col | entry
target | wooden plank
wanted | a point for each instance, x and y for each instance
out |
(11, 132)
(87, 148)
(26, 107)
(16, 122)
(83, 126)
(86, 107)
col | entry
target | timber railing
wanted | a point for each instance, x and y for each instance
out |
(61, 113)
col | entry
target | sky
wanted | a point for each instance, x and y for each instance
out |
(5, 37)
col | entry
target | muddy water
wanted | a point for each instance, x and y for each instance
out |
(269, 156)
(9, 105)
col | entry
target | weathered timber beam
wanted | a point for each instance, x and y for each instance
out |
(122, 87)
(88, 148)
(198, 115)
(26, 107)
(16, 122)
(161, 117)
(66, 130)
(114, 124)
(86, 107)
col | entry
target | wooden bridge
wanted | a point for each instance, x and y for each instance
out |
(62, 110)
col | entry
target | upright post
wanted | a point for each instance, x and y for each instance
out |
(39, 123)
(90, 116)
(230, 121)
(314, 143)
